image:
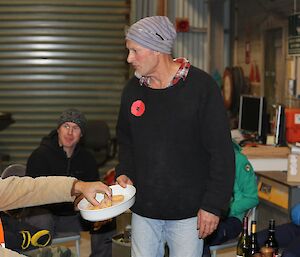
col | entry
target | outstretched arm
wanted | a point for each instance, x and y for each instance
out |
(17, 192)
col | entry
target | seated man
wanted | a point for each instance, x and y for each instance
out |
(61, 154)
(244, 198)
(287, 235)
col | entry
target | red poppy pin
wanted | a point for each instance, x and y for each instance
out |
(138, 108)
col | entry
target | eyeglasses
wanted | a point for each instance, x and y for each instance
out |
(74, 128)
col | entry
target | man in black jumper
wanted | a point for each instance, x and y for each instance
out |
(175, 145)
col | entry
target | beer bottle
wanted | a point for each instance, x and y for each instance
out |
(271, 240)
(253, 239)
(244, 242)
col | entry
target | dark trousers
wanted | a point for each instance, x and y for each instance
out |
(101, 240)
(228, 229)
(287, 236)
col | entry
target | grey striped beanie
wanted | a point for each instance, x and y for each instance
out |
(156, 33)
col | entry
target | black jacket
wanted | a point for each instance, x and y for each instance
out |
(49, 159)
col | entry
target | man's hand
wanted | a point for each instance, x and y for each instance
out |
(90, 189)
(207, 223)
(123, 181)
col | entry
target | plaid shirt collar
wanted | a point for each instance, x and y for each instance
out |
(180, 74)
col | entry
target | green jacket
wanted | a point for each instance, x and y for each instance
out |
(245, 194)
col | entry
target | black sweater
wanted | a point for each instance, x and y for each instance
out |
(49, 159)
(179, 152)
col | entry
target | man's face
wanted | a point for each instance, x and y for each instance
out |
(143, 60)
(69, 134)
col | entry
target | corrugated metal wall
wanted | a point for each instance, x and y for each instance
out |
(56, 54)
(145, 8)
(193, 44)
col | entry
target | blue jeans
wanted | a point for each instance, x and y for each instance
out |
(150, 235)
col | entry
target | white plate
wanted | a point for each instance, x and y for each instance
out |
(110, 212)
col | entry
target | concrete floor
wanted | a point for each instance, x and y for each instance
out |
(85, 247)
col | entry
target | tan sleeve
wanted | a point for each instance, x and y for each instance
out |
(4, 252)
(17, 192)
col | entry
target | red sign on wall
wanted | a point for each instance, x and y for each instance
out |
(182, 25)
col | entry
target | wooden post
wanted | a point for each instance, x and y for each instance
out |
(162, 7)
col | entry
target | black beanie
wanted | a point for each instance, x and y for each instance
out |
(75, 116)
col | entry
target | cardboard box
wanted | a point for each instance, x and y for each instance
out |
(293, 174)
(266, 151)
